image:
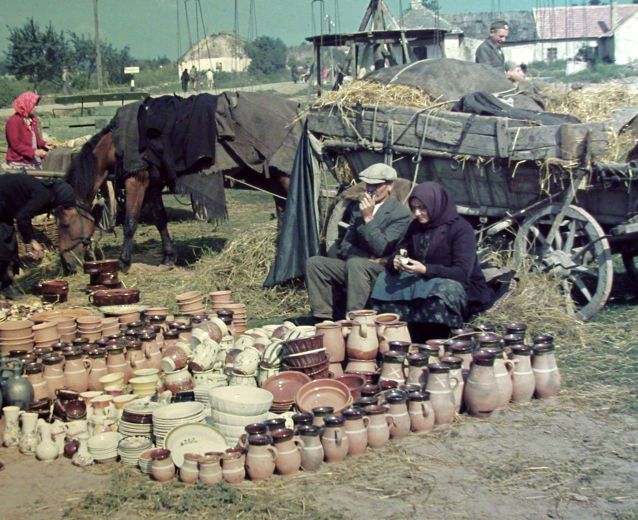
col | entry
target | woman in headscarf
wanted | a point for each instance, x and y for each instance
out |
(434, 281)
(26, 149)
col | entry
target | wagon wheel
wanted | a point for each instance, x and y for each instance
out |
(105, 207)
(578, 254)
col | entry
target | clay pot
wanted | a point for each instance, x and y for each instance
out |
(289, 451)
(210, 470)
(261, 457)
(441, 388)
(312, 454)
(34, 374)
(116, 362)
(523, 380)
(398, 411)
(333, 340)
(462, 349)
(162, 467)
(319, 414)
(546, 374)
(53, 373)
(102, 266)
(362, 340)
(189, 472)
(378, 426)
(502, 372)
(178, 381)
(76, 372)
(455, 363)
(334, 439)
(395, 331)
(420, 412)
(233, 461)
(356, 430)
(417, 362)
(115, 297)
(481, 391)
(98, 369)
(393, 367)
(53, 291)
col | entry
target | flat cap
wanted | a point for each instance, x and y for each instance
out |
(499, 24)
(378, 173)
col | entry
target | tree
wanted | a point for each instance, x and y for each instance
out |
(35, 54)
(268, 55)
(83, 60)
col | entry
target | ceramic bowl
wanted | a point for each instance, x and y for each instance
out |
(232, 433)
(307, 359)
(296, 346)
(115, 378)
(190, 295)
(115, 297)
(45, 332)
(231, 419)
(285, 385)
(323, 392)
(146, 372)
(102, 266)
(240, 400)
(15, 329)
(104, 441)
(353, 382)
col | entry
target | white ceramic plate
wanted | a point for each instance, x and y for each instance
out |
(194, 438)
(116, 310)
(177, 411)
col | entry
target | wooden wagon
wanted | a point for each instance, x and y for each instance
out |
(536, 191)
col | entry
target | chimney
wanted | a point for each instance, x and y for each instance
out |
(416, 4)
(613, 18)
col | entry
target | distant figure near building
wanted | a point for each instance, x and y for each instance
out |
(185, 77)
(66, 80)
(194, 78)
(210, 82)
(489, 52)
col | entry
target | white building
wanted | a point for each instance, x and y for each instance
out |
(217, 52)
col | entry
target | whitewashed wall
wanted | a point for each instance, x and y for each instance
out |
(626, 41)
(227, 63)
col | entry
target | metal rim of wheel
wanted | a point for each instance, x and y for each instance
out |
(579, 254)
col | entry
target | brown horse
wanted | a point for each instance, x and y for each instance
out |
(88, 172)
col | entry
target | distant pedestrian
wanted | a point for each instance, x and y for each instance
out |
(66, 80)
(489, 52)
(194, 78)
(210, 81)
(185, 77)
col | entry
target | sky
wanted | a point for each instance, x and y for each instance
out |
(150, 29)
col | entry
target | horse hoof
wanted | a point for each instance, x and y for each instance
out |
(169, 260)
(124, 266)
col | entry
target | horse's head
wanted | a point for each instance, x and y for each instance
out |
(87, 173)
(76, 226)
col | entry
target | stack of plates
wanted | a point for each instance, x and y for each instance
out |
(103, 447)
(145, 462)
(137, 419)
(167, 417)
(130, 448)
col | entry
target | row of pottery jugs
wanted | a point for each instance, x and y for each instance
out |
(205, 468)
(16, 391)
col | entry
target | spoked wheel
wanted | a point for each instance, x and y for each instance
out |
(578, 254)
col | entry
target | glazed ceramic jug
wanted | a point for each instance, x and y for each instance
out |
(441, 387)
(395, 331)
(523, 380)
(162, 467)
(502, 371)
(417, 361)
(34, 374)
(420, 412)
(455, 363)
(546, 374)
(76, 372)
(481, 395)
(320, 413)
(135, 355)
(261, 457)
(356, 430)
(393, 367)
(98, 369)
(116, 362)
(28, 435)
(233, 462)
(333, 340)
(462, 349)
(312, 454)
(378, 425)
(11, 435)
(82, 456)
(334, 439)
(362, 341)
(289, 449)
(210, 470)
(189, 472)
(58, 432)
(46, 450)
(398, 411)
(16, 391)
(151, 349)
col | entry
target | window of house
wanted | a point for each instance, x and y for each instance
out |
(552, 54)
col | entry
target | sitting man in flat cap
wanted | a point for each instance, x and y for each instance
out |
(489, 52)
(374, 225)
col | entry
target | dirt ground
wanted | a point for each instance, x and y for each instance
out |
(551, 459)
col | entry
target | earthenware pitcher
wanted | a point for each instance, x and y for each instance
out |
(362, 341)
(420, 411)
(116, 362)
(34, 374)
(98, 369)
(546, 374)
(289, 448)
(162, 467)
(210, 470)
(356, 430)
(523, 380)
(189, 472)
(151, 349)
(11, 435)
(261, 457)
(378, 425)
(46, 450)
(82, 456)
(417, 362)
(441, 387)
(312, 454)
(333, 340)
(28, 435)
(398, 411)
(455, 363)
(503, 369)
(233, 465)
(393, 367)
(481, 396)
(334, 439)
(16, 391)
(76, 372)
(395, 331)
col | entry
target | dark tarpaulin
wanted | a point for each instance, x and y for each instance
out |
(298, 235)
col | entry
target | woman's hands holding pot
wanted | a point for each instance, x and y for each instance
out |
(408, 265)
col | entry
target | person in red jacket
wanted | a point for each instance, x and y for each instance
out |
(26, 149)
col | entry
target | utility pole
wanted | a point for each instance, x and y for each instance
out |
(98, 54)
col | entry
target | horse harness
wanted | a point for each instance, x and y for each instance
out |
(84, 212)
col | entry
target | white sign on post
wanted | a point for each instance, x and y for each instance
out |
(131, 70)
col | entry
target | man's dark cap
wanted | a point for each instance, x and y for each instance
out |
(499, 24)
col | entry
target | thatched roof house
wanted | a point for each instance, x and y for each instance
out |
(217, 52)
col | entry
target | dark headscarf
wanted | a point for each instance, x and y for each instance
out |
(441, 210)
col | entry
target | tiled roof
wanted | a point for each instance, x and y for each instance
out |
(419, 17)
(477, 25)
(587, 21)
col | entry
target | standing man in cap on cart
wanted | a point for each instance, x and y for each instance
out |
(373, 227)
(489, 52)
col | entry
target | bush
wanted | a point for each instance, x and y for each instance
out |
(10, 88)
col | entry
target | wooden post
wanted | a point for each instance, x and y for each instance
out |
(98, 53)
(318, 71)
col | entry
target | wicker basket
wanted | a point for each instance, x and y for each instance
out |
(45, 231)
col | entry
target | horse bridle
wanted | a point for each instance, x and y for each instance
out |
(84, 212)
